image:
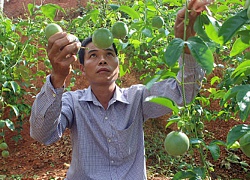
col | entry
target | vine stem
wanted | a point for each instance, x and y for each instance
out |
(186, 21)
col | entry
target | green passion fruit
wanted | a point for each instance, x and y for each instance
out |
(51, 29)
(3, 146)
(157, 22)
(102, 38)
(10, 45)
(176, 143)
(245, 144)
(5, 153)
(2, 122)
(119, 30)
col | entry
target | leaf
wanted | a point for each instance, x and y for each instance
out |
(230, 94)
(22, 71)
(242, 95)
(198, 27)
(114, 6)
(31, 8)
(94, 15)
(201, 53)
(172, 120)
(82, 20)
(49, 10)
(196, 141)
(10, 124)
(154, 79)
(214, 150)
(232, 25)
(236, 133)
(239, 46)
(15, 86)
(15, 109)
(241, 70)
(131, 12)
(164, 102)
(174, 51)
(184, 175)
(147, 32)
(212, 30)
(215, 79)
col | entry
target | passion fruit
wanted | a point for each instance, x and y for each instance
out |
(119, 30)
(5, 153)
(157, 22)
(51, 29)
(245, 144)
(176, 143)
(102, 38)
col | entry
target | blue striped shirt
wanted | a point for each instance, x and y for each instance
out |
(107, 144)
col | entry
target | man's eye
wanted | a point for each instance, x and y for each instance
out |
(110, 54)
(92, 55)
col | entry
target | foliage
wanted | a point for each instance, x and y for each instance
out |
(222, 32)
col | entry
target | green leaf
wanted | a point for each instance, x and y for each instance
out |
(172, 120)
(236, 133)
(174, 51)
(164, 102)
(239, 45)
(214, 150)
(131, 12)
(10, 124)
(232, 25)
(215, 79)
(31, 8)
(15, 109)
(22, 71)
(114, 6)
(212, 30)
(198, 27)
(153, 80)
(242, 95)
(241, 70)
(15, 86)
(202, 54)
(243, 100)
(147, 32)
(82, 20)
(94, 15)
(184, 175)
(49, 10)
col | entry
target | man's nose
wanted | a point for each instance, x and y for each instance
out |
(102, 60)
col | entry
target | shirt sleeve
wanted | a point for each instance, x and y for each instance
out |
(47, 123)
(171, 88)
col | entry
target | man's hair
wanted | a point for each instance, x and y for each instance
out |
(85, 42)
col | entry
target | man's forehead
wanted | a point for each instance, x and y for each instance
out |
(91, 47)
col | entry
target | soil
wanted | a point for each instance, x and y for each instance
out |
(32, 160)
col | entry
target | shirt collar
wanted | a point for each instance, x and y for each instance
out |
(118, 96)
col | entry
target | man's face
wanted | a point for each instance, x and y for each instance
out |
(101, 66)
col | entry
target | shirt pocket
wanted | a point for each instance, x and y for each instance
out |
(128, 140)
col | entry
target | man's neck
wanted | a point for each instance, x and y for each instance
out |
(104, 93)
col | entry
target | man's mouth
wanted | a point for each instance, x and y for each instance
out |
(102, 70)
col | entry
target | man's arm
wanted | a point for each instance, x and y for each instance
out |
(172, 89)
(193, 73)
(46, 122)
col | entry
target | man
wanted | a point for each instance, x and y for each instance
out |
(106, 121)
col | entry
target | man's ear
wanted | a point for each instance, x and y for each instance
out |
(82, 69)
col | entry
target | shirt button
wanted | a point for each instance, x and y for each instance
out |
(106, 118)
(112, 162)
(109, 140)
(54, 95)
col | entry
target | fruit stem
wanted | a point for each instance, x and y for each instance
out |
(83, 47)
(183, 55)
